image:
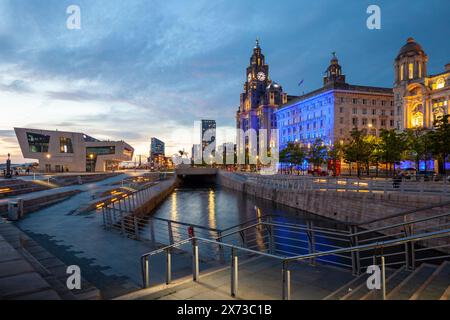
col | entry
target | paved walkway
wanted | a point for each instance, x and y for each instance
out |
(108, 260)
(18, 279)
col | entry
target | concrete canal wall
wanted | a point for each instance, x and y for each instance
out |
(348, 207)
(158, 194)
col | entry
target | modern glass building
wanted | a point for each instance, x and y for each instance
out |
(59, 151)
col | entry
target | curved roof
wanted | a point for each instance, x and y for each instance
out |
(411, 46)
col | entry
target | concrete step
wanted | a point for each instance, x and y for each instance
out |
(361, 291)
(436, 285)
(406, 289)
(446, 295)
(347, 288)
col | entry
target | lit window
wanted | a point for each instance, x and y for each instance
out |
(420, 70)
(410, 71)
(402, 71)
(440, 83)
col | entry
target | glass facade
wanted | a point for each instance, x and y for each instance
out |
(38, 142)
(65, 145)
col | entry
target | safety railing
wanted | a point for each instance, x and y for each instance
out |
(376, 249)
(370, 185)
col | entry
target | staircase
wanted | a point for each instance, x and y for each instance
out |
(427, 282)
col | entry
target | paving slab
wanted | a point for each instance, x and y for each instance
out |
(22, 284)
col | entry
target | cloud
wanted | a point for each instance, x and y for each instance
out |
(149, 68)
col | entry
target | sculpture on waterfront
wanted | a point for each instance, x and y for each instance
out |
(8, 172)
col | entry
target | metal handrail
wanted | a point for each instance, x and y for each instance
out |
(376, 245)
(405, 213)
(400, 224)
(285, 260)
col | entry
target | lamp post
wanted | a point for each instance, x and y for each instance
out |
(8, 173)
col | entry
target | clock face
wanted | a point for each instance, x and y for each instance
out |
(249, 77)
(261, 76)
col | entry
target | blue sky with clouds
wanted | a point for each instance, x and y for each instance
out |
(143, 68)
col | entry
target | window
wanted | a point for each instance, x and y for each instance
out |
(374, 102)
(392, 113)
(440, 83)
(342, 100)
(383, 103)
(410, 70)
(374, 122)
(38, 142)
(383, 112)
(355, 121)
(364, 121)
(355, 111)
(391, 123)
(383, 123)
(355, 101)
(420, 70)
(341, 120)
(341, 110)
(374, 112)
(402, 72)
(364, 101)
(65, 145)
(364, 111)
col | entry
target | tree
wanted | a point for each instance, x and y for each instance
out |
(357, 149)
(317, 153)
(392, 146)
(294, 154)
(375, 152)
(417, 142)
(440, 141)
(335, 153)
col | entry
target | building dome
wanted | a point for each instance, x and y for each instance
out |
(411, 48)
(273, 86)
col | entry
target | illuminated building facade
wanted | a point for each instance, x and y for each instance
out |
(331, 112)
(419, 98)
(59, 151)
(259, 100)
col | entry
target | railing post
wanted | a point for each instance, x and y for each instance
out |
(383, 278)
(122, 222)
(311, 242)
(234, 273)
(152, 230)
(136, 227)
(221, 253)
(356, 263)
(147, 273)
(286, 273)
(168, 266)
(195, 268)
(169, 226)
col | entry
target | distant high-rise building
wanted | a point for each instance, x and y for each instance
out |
(157, 152)
(157, 147)
(208, 135)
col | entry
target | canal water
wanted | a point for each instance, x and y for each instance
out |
(220, 208)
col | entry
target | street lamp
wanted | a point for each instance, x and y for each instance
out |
(48, 156)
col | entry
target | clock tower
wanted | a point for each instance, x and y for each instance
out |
(257, 74)
(260, 98)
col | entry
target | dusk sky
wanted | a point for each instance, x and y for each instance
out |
(138, 69)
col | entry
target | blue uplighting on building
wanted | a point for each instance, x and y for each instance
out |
(306, 120)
